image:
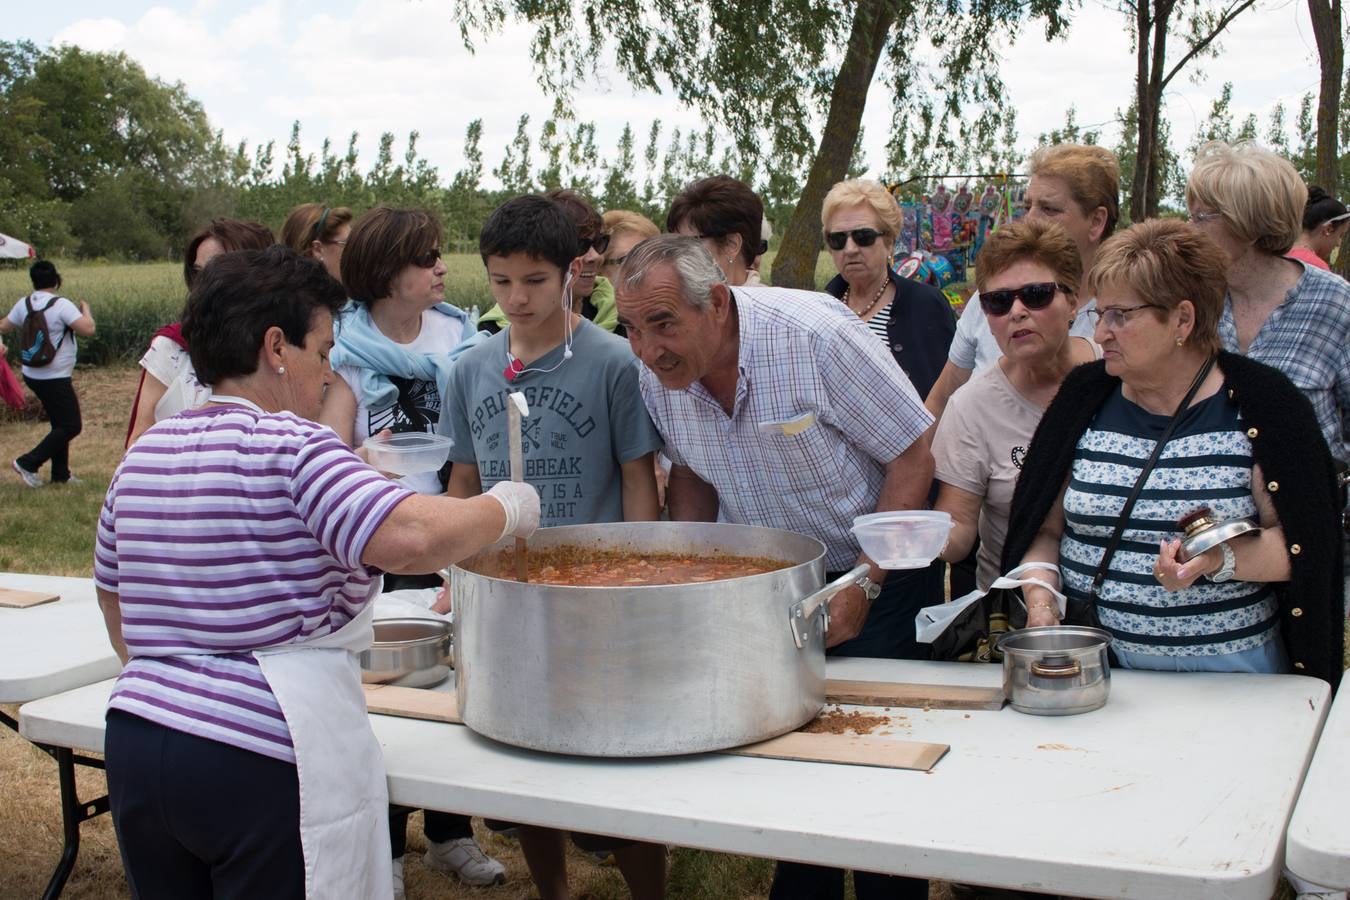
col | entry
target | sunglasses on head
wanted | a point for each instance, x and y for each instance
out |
(599, 242)
(428, 259)
(863, 237)
(1033, 296)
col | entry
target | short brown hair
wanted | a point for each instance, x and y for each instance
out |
(232, 234)
(382, 244)
(311, 222)
(1034, 241)
(619, 221)
(719, 206)
(579, 210)
(863, 190)
(1166, 261)
(1092, 173)
(1258, 193)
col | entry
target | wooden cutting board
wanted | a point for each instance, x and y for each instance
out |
(412, 703)
(14, 599)
(917, 696)
(848, 749)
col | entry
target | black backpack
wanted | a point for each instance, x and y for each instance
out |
(37, 349)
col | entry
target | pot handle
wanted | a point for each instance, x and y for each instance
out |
(803, 611)
(1041, 670)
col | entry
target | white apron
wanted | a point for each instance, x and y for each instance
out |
(344, 800)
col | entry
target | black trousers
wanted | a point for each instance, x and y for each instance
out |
(889, 634)
(196, 818)
(57, 396)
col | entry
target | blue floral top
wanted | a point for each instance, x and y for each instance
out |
(1207, 462)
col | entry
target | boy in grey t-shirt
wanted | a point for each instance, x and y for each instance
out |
(587, 443)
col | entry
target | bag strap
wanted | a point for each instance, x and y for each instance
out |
(1100, 577)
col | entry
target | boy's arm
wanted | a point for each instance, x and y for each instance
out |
(464, 481)
(639, 489)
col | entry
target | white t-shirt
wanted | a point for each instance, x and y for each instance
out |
(171, 366)
(974, 346)
(59, 317)
(440, 334)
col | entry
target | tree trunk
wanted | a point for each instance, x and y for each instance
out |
(1146, 119)
(1326, 22)
(795, 264)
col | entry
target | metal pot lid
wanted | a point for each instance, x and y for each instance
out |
(1215, 535)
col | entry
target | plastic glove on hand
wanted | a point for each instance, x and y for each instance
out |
(521, 503)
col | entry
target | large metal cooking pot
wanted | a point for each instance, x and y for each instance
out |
(1056, 670)
(645, 671)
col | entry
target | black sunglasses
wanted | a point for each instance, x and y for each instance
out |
(600, 243)
(428, 259)
(863, 237)
(1033, 296)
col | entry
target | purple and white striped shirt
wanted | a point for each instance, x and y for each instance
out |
(225, 531)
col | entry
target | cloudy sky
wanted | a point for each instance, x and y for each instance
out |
(398, 65)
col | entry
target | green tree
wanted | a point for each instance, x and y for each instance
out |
(790, 75)
(514, 171)
(620, 191)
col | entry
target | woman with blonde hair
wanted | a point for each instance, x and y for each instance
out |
(319, 231)
(860, 221)
(626, 230)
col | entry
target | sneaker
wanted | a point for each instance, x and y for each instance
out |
(70, 480)
(398, 880)
(464, 858)
(29, 478)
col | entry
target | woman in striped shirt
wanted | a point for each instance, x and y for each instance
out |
(238, 551)
(1246, 446)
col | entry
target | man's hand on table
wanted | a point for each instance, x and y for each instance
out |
(848, 614)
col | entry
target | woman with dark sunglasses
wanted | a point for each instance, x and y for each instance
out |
(395, 344)
(1028, 275)
(860, 220)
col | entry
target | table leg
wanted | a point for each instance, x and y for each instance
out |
(73, 813)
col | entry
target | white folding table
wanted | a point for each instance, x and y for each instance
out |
(1180, 787)
(45, 650)
(1319, 832)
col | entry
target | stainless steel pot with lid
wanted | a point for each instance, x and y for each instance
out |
(648, 670)
(1056, 670)
(408, 652)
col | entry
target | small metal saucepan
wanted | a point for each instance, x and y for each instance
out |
(408, 652)
(1057, 670)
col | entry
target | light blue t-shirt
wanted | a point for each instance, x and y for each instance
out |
(586, 419)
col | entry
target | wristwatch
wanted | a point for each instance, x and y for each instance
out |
(1228, 567)
(871, 590)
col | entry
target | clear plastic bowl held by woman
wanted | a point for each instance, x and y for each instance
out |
(407, 453)
(903, 538)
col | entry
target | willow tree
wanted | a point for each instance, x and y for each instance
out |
(785, 80)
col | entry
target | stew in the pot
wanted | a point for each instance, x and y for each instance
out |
(577, 566)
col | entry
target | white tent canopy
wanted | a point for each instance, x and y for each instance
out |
(13, 248)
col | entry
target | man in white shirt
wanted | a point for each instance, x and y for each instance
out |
(51, 382)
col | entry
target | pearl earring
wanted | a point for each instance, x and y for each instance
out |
(281, 370)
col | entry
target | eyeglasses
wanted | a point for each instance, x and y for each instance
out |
(599, 242)
(1334, 219)
(1118, 316)
(343, 243)
(1200, 218)
(428, 259)
(616, 260)
(863, 237)
(1033, 296)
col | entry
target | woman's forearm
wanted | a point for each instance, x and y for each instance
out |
(425, 533)
(109, 605)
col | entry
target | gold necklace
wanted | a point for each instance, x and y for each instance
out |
(871, 306)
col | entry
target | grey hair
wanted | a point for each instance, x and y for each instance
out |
(694, 266)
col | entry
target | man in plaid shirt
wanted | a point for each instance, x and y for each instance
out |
(779, 409)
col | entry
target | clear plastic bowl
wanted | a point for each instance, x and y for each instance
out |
(903, 539)
(409, 452)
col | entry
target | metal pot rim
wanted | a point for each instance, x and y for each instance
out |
(1007, 642)
(440, 627)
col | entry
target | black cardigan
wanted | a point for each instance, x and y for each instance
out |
(1288, 445)
(920, 331)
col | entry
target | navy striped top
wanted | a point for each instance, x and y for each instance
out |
(1208, 462)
